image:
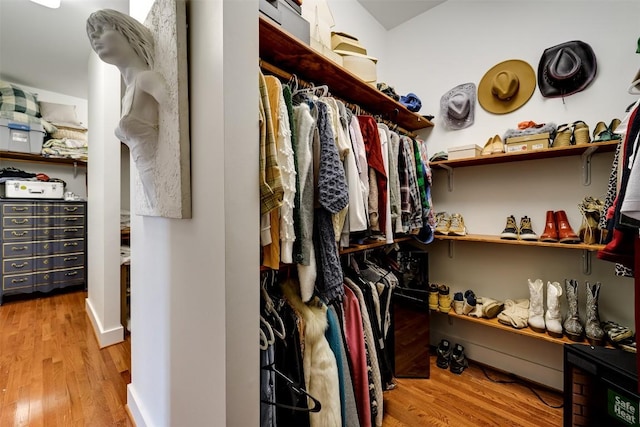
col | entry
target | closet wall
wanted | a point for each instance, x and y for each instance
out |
(457, 42)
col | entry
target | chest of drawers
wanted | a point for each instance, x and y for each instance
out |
(43, 245)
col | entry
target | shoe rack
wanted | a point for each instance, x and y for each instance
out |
(583, 150)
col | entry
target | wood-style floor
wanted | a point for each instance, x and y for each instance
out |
(52, 373)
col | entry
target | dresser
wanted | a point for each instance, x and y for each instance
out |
(43, 245)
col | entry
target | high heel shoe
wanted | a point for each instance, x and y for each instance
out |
(581, 133)
(564, 136)
(598, 132)
(493, 145)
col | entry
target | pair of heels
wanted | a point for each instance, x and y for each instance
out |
(494, 145)
(603, 133)
(575, 133)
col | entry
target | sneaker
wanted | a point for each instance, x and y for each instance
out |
(510, 231)
(457, 227)
(443, 353)
(458, 361)
(442, 223)
(526, 231)
(458, 303)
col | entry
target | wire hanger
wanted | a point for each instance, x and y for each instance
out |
(270, 309)
(297, 390)
(270, 337)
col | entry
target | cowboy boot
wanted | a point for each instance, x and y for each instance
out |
(552, 317)
(572, 326)
(593, 329)
(536, 307)
(565, 232)
(550, 233)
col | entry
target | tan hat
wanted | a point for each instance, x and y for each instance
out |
(507, 86)
(346, 42)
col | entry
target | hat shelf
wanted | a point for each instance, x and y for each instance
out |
(286, 52)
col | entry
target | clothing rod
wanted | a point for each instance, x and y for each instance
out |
(284, 75)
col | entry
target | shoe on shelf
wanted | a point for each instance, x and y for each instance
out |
(443, 220)
(444, 299)
(616, 332)
(581, 133)
(443, 354)
(510, 231)
(458, 360)
(469, 302)
(565, 232)
(600, 132)
(487, 150)
(458, 303)
(497, 146)
(457, 227)
(433, 296)
(526, 230)
(550, 233)
(491, 308)
(535, 319)
(564, 136)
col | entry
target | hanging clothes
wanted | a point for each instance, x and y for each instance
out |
(371, 139)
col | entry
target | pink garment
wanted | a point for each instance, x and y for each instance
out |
(354, 335)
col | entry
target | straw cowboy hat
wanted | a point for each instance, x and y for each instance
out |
(457, 106)
(507, 86)
(566, 69)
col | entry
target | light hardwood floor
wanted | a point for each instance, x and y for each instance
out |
(52, 373)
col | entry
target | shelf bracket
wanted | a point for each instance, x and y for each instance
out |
(449, 170)
(451, 254)
(586, 262)
(586, 165)
(75, 169)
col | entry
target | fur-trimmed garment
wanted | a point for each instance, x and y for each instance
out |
(319, 362)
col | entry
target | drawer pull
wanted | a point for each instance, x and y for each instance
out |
(14, 265)
(19, 248)
(19, 208)
(22, 221)
(23, 279)
(70, 230)
(68, 209)
(71, 244)
(73, 273)
(71, 258)
(19, 234)
(71, 219)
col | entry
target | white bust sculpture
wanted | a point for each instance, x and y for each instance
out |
(126, 43)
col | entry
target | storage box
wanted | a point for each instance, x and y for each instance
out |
(289, 18)
(32, 189)
(21, 137)
(539, 141)
(464, 151)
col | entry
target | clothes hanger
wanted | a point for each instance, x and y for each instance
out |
(270, 310)
(264, 342)
(270, 337)
(634, 87)
(297, 390)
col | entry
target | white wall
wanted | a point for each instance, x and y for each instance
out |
(457, 42)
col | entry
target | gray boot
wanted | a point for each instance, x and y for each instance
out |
(572, 326)
(593, 330)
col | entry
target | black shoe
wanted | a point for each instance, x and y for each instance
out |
(444, 354)
(458, 360)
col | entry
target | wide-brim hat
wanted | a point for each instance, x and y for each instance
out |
(507, 86)
(566, 69)
(457, 106)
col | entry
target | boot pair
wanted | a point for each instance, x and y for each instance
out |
(540, 320)
(573, 328)
(558, 229)
(450, 357)
(513, 232)
(439, 298)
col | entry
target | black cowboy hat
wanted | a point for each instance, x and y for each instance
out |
(566, 69)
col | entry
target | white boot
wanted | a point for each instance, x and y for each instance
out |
(536, 308)
(552, 317)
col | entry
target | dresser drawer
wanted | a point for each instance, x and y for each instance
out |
(18, 265)
(45, 208)
(68, 260)
(69, 209)
(27, 221)
(18, 281)
(22, 234)
(68, 232)
(13, 209)
(67, 246)
(44, 247)
(69, 221)
(17, 249)
(68, 276)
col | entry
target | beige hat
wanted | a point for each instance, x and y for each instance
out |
(346, 42)
(507, 86)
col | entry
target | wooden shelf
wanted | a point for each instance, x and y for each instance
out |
(358, 248)
(280, 48)
(496, 239)
(574, 150)
(494, 323)
(36, 158)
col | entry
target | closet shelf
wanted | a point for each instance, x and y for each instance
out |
(36, 158)
(277, 46)
(494, 323)
(573, 150)
(496, 239)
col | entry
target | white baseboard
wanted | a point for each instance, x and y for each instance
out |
(105, 337)
(135, 409)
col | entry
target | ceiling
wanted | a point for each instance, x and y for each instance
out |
(48, 48)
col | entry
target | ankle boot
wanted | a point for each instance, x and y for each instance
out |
(552, 317)
(444, 299)
(550, 233)
(433, 296)
(536, 307)
(572, 326)
(593, 329)
(565, 232)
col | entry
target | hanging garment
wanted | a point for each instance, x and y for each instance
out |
(320, 366)
(383, 133)
(411, 204)
(357, 143)
(371, 139)
(286, 93)
(394, 183)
